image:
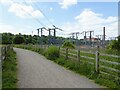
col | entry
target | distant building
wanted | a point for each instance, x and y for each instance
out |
(92, 39)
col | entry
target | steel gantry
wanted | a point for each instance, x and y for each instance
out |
(54, 31)
(74, 36)
(40, 30)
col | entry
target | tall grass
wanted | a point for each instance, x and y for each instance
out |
(52, 53)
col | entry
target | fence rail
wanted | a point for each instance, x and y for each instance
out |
(93, 59)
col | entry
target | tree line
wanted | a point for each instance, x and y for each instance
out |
(9, 38)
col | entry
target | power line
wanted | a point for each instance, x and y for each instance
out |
(54, 29)
(43, 14)
(34, 17)
(31, 15)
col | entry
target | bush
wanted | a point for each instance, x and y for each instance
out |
(68, 44)
(19, 40)
(52, 53)
(114, 45)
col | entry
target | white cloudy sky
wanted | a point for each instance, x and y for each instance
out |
(70, 15)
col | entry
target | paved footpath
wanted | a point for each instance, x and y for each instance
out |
(35, 71)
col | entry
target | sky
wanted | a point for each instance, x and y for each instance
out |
(26, 16)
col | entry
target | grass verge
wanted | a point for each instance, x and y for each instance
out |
(9, 70)
(83, 68)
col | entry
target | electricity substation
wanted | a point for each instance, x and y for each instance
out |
(89, 37)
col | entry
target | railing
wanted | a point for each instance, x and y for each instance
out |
(103, 63)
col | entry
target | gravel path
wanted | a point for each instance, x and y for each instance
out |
(35, 71)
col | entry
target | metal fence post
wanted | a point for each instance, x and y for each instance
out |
(97, 61)
(78, 56)
(66, 54)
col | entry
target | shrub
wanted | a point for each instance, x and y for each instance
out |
(68, 44)
(19, 40)
(52, 53)
(114, 45)
(60, 61)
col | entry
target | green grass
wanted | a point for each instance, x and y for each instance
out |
(82, 68)
(108, 58)
(115, 66)
(9, 70)
(52, 52)
(0, 78)
(32, 48)
(108, 51)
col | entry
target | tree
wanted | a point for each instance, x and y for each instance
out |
(7, 38)
(19, 39)
(68, 44)
(115, 44)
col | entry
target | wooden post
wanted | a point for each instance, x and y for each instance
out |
(2, 52)
(5, 50)
(59, 50)
(78, 55)
(103, 37)
(97, 61)
(66, 54)
(11, 47)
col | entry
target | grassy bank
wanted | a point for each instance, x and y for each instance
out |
(82, 68)
(9, 70)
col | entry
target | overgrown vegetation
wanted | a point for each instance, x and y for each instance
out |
(114, 45)
(82, 68)
(68, 44)
(52, 53)
(31, 47)
(9, 70)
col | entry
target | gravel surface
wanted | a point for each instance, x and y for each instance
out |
(35, 71)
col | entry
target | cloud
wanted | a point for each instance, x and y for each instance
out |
(6, 2)
(51, 9)
(24, 11)
(9, 2)
(88, 20)
(67, 3)
(32, 1)
(89, 17)
(6, 28)
(15, 29)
